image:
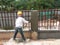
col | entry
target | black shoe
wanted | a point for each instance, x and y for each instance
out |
(14, 39)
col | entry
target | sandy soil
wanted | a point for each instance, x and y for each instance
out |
(34, 42)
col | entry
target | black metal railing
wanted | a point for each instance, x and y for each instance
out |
(47, 19)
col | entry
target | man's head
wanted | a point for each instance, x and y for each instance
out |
(19, 13)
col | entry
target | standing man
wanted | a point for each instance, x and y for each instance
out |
(19, 25)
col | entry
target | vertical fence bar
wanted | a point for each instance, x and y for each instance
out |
(44, 15)
(39, 19)
(59, 20)
(13, 18)
(43, 18)
(51, 20)
(28, 15)
(8, 19)
(53, 17)
(47, 19)
(2, 19)
(28, 18)
(56, 17)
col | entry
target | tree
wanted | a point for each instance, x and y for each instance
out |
(27, 4)
(57, 3)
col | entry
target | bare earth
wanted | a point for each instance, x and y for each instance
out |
(34, 42)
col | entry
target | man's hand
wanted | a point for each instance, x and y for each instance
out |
(27, 25)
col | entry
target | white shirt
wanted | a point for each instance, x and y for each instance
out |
(20, 21)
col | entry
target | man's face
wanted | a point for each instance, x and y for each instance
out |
(19, 15)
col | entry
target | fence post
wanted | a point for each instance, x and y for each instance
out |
(34, 23)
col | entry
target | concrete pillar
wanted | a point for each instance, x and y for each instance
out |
(34, 24)
(34, 20)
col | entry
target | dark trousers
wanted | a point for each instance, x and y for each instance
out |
(20, 31)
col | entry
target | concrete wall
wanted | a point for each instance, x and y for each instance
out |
(41, 35)
(8, 35)
(49, 34)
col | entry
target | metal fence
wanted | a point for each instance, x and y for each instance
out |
(7, 19)
(47, 19)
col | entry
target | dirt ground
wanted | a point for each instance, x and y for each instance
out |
(34, 42)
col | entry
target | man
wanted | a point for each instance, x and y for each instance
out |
(19, 25)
